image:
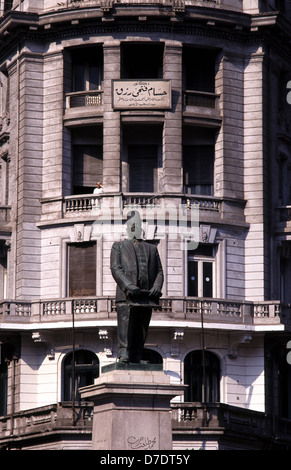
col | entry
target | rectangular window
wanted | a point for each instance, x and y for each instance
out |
(87, 167)
(143, 164)
(199, 69)
(3, 270)
(8, 5)
(198, 169)
(87, 67)
(142, 61)
(201, 272)
(82, 269)
(285, 279)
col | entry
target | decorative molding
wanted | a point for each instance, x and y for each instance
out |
(233, 347)
(38, 337)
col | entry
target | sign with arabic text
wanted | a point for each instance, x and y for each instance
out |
(141, 94)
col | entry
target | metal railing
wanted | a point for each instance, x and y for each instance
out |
(200, 99)
(84, 98)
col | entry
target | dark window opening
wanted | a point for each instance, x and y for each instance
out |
(3, 270)
(151, 356)
(142, 61)
(8, 4)
(87, 69)
(86, 369)
(199, 69)
(198, 169)
(194, 377)
(3, 387)
(82, 269)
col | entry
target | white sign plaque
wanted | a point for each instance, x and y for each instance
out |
(141, 94)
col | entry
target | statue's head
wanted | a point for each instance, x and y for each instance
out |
(134, 224)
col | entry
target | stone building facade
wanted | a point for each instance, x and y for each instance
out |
(180, 109)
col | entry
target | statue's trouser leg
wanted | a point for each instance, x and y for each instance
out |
(137, 332)
(132, 328)
(122, 330)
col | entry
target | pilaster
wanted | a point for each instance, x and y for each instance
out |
(111, 121)
(172, 133)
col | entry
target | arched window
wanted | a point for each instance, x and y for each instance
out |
(153, 357)
(86, 369)
(194, 376)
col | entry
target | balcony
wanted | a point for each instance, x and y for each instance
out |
(220, 312)
(87, 204)
(83, 106)
(219, 423)
(56, 424)
(201, 99)
(228, 425)
(84, 98)
(175, 3)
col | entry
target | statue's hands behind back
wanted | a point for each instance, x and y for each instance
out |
(132, 290)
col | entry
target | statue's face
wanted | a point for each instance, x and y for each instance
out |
(134, 229)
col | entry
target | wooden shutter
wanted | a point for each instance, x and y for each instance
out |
(198, 162)
(87, 167)
(142, 162)
(82, 269)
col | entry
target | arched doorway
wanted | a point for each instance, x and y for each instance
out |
(86, 369)
(194, 376)
(151, 356)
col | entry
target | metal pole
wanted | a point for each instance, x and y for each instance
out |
(203, 358)
(203, 372)
(73, 362)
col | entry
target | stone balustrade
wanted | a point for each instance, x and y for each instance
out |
(171, 308)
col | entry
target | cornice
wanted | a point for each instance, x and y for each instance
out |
(194, 21)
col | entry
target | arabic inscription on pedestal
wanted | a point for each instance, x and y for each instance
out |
(141, 443)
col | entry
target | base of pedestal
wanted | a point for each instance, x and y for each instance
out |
(132, 408)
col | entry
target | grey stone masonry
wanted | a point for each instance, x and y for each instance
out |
(172, 134)
(30, 161)
(111, 120)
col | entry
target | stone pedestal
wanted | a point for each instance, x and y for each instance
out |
(132, 408)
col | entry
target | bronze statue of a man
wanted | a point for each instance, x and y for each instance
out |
(136, 267)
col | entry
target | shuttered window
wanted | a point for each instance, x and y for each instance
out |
(82, 269)
(87, 168)
(143, 163)
(198, 168)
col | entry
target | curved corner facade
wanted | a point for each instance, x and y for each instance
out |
(180, 109)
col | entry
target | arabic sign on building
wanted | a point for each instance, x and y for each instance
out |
(141, 94)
